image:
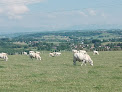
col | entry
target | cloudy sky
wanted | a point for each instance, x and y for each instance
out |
(45, 15)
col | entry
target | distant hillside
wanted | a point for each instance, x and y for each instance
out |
(87, 34)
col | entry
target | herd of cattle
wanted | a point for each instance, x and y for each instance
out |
(78, 55)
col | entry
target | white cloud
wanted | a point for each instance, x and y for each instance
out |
(15, 11)
(15, 8)
(92, 12)
(18, 9)
(82, 13)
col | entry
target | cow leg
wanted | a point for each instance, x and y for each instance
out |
(74, 62)
(83, 62)
(5, 58)
(31, 58)
(39, 58)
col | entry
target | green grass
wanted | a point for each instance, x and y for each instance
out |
(58, 74)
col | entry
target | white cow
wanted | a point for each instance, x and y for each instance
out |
(4, 56)
(25, 53)
(74, 51)
(81, 57)
(82, 51)
(95, 52)
(51, 54)
(32, 55)
(57, 53)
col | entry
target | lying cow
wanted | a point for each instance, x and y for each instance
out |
(51, 54)
(57, 53)
(81, 57)
(4, 56)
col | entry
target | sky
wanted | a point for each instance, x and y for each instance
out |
(51, 15)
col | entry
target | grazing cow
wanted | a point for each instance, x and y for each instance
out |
(82, 51)
(81, 57)
(32, 55)
(95, 52)
(4, 56)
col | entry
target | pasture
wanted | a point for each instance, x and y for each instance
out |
(58, 74)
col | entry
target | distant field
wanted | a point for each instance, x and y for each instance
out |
(20, 43)
(57, 74)
(106, 36)
(105, 43)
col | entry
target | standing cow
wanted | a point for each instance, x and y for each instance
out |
(32, 55)
(81, 57)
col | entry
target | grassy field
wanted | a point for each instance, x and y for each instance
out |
(57, 74)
